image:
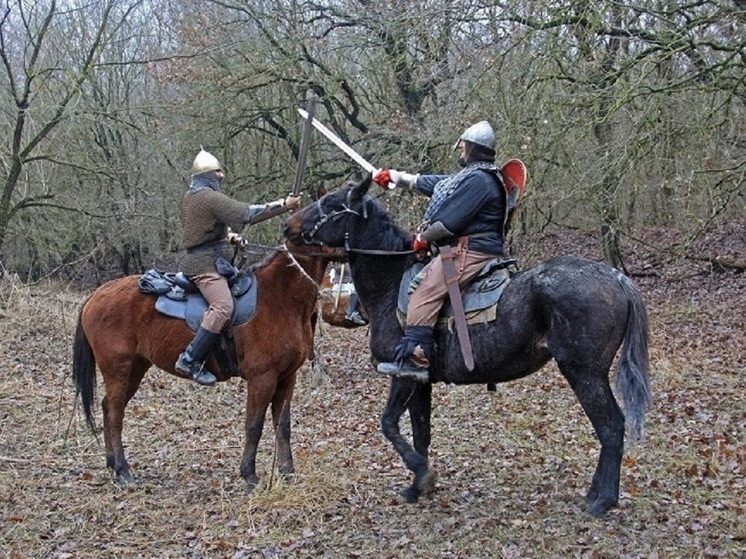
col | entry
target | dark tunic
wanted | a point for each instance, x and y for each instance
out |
(476, 207)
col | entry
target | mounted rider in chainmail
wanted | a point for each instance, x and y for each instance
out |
(207, 215)
(466, 211)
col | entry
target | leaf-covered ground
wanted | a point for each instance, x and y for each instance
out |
(513, 464)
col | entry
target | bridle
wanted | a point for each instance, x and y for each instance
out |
(309, 237)
(294, 262)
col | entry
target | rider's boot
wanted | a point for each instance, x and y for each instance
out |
(353, 311)
(356, 318)
(191, 363)
(413, 355)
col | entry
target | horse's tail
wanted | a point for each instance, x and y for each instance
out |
(633, 379)
(84, 372)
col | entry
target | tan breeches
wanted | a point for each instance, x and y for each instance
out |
(427, 299)
(214, 289)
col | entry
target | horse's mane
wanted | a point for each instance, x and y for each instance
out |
(273, 251)
(381, 232)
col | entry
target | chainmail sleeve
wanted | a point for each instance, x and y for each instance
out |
(227, 210)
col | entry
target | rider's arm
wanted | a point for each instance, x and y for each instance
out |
(426, 183)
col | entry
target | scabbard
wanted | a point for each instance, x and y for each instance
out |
(454, 293)
(339, 287)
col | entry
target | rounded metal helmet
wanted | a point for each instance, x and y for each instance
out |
(204, 162)
(480, 133)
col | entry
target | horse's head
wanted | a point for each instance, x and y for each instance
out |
(348, 218)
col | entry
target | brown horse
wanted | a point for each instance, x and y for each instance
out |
(120, 331)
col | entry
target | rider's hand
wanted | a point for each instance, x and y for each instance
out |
(385, 177)
(420, 245)
(236, 239)
(388, 178)
(292, 202)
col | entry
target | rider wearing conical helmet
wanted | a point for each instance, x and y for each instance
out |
(466, 211)
(207, 215)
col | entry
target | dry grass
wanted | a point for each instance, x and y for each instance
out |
(514, 465)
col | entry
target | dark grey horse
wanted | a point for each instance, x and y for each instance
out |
(574, 310)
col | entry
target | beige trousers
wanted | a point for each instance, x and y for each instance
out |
(214, 289)
(428, 298)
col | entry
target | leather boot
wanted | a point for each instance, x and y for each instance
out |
(356, 318)
(191, 363)
(353, 311)
(413, 355)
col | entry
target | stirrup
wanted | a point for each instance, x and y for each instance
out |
(186, 368)
(204, 377)
(406, 369)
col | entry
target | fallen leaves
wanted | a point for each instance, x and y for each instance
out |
(514, 465)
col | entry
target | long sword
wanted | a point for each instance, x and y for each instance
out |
(303, 149)
(337, 141)
(305, 141)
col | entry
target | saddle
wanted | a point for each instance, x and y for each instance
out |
(178, 297)
(480, 297)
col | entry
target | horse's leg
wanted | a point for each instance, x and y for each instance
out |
(281, 418)
(591, 386)
(120, 387)
(400, 393)
(259, 393)
(420, 408)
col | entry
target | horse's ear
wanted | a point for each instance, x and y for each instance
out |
(361, 189)
(319, 192)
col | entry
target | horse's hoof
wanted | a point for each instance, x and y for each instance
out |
(286, 470)
(599, 508)
(426, 484)
(287, 477)
(410, 494)
(125, 479)
(591, 496)
(251, 483)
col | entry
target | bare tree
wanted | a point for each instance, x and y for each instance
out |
(43, 81)
(630, 75)
(626, 114)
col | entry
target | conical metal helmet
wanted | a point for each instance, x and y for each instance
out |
(480, 133)
(204, 162)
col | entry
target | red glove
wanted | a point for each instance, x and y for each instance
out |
(419, 244)
(382, 178)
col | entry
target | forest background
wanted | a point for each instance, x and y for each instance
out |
(630, 118)
(627, 114)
